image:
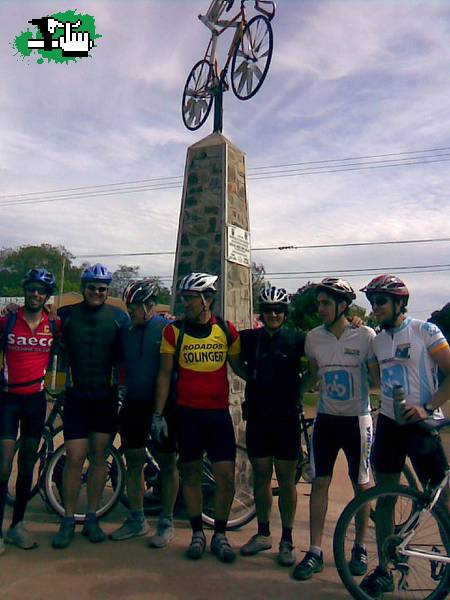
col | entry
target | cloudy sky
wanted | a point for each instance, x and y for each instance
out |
(362, 80)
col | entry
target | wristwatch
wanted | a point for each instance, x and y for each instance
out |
(429, 409)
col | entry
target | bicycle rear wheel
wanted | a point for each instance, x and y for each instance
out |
(115, 482)
(425, 577)
(243, 507)
(46, 446)
(251, 57)
(197, 95)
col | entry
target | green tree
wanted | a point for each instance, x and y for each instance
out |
(14, 263)
(303, 313)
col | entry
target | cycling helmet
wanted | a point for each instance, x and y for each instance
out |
(97, 272)
(40, 275)
(270, 294)
(138, 292)
(337, 287)
(198, 282)
(386, 284)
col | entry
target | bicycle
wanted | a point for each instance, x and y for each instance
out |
(250, 54)
(417, 550)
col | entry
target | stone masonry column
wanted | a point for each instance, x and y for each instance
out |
(213, 237)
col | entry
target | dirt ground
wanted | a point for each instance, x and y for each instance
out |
(130, 570)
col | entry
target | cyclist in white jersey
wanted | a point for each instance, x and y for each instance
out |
(340, 357)
(409, 352)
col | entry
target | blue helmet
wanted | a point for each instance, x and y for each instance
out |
(40, 275)
(97, 272)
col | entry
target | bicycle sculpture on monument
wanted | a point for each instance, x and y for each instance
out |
(250, 53)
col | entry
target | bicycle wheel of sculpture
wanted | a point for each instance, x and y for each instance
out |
(197, 95)
(251, 58)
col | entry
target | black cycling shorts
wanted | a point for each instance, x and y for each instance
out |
(90, 411)
(205, 430)
(24, 410)
(135, 421)
(277, 438)
(353, 435)
(393, 443)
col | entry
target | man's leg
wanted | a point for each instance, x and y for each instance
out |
(287, 503)
(191, 476)
(6, 458)
(170, 482)
(262, 493)
(135, 524)
(223, 472)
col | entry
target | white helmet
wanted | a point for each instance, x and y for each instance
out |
(198, 282)
(273, 295)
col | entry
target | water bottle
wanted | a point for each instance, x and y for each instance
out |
(398, 394)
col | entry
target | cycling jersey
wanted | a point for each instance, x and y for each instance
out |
(202, 370)
(342, 365)
(405, 355)
(140, 348)
(91, 339)
(26, 354)
(273, 363)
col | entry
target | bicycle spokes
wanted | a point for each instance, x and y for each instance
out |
(197, 95)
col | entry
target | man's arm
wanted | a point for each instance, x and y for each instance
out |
(442, 394)
(163, 382)
(238, 366)
(310, 378)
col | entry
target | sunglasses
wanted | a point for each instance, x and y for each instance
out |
(189, 298)
(31, 289)
(379, 300)
(94, 288)
(268, 310)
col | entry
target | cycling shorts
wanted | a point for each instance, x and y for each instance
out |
(278, 438)
(353, 435)
(90, 411)
(205, 430)
(135, 422)
(27, 411)
(393, 443)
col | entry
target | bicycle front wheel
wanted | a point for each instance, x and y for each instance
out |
(243, 507)
(197, 95)
(251, 57)
(412, 551)
(112, 492)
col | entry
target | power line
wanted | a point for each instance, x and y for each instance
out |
(19, 199)
(265, 248)
(310, 162)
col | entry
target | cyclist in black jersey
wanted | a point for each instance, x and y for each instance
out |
(91, 344)
(272, 355)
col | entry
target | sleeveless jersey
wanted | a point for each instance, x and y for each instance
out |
(406, 359)
(202, 371)
(342, 365)
(26, 354)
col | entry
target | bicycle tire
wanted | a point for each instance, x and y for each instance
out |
(197, 95)
(46, 446)
(113, 489)
(255, 46)
(432, 533)
(243, 507)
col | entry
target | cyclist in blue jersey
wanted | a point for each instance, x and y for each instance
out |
(90, 334)
(409, 352)
(272, 356)
(340, 357)
(140, 344)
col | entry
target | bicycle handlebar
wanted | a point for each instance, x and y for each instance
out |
(267, 13)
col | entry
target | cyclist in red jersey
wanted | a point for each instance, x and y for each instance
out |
(22, 399)
(197, 349)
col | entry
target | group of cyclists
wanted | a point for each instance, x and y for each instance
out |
(176, 388)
